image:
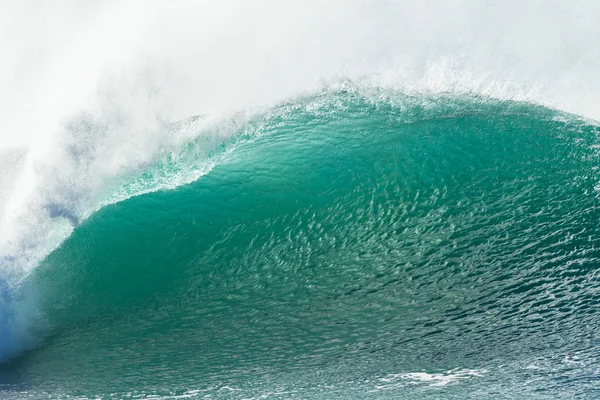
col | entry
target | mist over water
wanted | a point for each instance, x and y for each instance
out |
(105, 103)
(88, 87)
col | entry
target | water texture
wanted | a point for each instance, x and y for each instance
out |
(338, 245)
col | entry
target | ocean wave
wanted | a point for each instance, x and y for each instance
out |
(258, 247)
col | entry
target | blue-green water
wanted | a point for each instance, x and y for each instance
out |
(343, 246)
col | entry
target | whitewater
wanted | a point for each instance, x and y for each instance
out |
(299, 199)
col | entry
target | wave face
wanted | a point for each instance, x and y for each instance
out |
(343, 245)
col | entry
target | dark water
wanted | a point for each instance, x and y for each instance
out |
(345, 247)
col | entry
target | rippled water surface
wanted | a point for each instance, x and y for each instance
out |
(342, 247)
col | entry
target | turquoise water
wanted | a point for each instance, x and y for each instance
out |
(343, 246)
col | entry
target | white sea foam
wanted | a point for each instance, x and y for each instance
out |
(394, 381)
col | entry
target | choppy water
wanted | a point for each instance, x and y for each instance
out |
(341, 246)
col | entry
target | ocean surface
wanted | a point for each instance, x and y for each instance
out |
(344, 244)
